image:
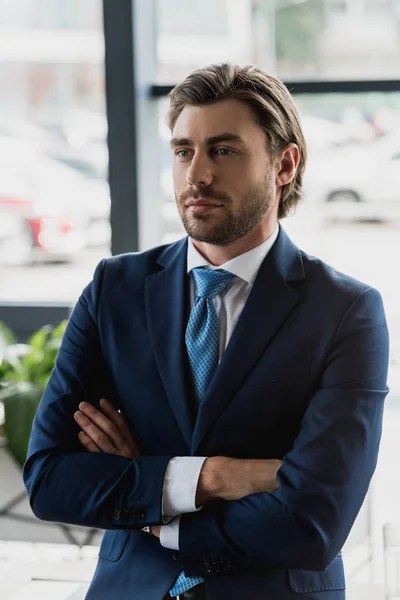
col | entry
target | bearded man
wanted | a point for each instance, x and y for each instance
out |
(216, 404)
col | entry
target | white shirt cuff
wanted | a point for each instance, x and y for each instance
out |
(169, 535)
(180, 485)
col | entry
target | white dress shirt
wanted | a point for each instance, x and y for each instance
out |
(182, 474)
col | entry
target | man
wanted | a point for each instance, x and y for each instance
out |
(241, 381)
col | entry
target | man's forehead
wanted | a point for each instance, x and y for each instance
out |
(211, 120)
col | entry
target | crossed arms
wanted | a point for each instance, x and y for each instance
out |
(322, 482)
(221, 478)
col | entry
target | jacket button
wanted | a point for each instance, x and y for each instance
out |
(116, 514)
(142, 514)
(175, 556)
(133, 513)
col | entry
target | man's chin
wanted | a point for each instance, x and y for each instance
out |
(212, 241)
(202, 232)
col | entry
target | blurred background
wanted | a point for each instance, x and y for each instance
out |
(85, 172)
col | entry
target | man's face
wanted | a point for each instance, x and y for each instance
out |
(223, 176)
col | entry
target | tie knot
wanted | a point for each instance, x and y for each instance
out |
(209, 283)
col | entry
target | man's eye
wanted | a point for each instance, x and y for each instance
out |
(223, 151)
(182, 153)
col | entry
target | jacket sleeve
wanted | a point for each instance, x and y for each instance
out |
(64, 482)
(324, 477)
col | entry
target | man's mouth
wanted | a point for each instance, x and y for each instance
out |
(202, 202)
(201, 206)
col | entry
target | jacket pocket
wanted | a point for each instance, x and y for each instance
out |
(113, 544)
(318, 581)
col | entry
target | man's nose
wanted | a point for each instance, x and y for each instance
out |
(200, 172)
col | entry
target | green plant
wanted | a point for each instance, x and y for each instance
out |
(20, 404)
(7, 338)
(34, 361)
(6, 335)
(24, 372)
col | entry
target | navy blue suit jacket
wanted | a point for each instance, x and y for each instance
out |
(303, 379)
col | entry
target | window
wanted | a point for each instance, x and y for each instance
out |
(192, 34)
(54, 193)
(312, 39)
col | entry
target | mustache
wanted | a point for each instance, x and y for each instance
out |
(206, 194)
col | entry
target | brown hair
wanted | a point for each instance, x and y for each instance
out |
(270, 100)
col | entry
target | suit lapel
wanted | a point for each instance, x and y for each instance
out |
(166, 310)
(269, 304)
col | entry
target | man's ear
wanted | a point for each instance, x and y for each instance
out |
(287, 163)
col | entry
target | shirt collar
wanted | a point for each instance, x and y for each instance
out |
(245, 266)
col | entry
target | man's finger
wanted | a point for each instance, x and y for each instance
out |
(113, 414)
(155, 530)
(94, 433)
(87, 442)
(103, 423)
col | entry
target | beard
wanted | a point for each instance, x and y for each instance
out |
(240, 215)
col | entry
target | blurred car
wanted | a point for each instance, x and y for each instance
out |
(15, 240)
(62, 210)
(322, 133)
(91, 160)
(361, 182)
(73, 126)
(25, 130)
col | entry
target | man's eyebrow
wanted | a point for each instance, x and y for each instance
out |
(224, 137)
(215, 139)
(181, 141)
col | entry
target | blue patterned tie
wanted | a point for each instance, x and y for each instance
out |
(202, 342)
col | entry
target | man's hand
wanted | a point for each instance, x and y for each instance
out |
(105, 431)
(232, 478)
(155, 530)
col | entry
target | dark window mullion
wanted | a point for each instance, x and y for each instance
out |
(315, 87)
(120, 98)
